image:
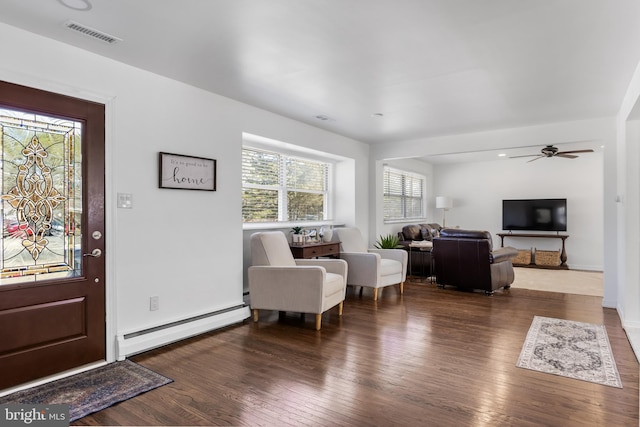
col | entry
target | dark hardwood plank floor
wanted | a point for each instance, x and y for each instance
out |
(436, 357)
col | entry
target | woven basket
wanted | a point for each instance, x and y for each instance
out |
(523, 257)
(551, 258)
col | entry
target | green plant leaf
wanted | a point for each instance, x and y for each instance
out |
(388, 242)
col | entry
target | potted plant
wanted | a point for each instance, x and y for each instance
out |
(297, 237)
(389, 241)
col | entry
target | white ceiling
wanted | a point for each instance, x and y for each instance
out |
(431, 67)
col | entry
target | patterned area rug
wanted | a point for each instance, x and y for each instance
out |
(92, 391)
(570, 349)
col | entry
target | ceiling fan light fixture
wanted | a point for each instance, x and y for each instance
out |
(549, 151)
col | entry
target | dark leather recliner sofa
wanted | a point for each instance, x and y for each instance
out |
(466, 259)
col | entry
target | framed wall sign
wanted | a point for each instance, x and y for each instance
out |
(187, 172)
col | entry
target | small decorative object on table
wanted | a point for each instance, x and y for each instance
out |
(297, 237)
(326, 234)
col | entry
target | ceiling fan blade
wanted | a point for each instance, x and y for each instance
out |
(526, 155)
(539, 157)
(566, 156)
(574, 151)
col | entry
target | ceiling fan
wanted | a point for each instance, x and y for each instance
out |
(551, 151)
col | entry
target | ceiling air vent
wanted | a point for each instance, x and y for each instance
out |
(88, 31)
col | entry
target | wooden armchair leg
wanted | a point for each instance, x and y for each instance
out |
(401, 288)
(340, 306)
(318, 321)
(255, 315)
(375, 294)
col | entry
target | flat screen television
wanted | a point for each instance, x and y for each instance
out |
(534, 214)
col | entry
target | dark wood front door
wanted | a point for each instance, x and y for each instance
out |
(52, 272)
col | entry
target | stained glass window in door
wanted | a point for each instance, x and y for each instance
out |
(41, 197)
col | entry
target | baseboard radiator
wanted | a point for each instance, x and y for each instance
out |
(147, 339)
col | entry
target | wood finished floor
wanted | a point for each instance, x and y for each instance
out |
(435, 357)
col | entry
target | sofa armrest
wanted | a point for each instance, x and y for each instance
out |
(503, 254)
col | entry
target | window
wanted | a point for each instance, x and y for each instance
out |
(282, 188)
(41, 203)
(403, 195)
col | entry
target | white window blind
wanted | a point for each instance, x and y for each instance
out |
(403, 194)
(278, 187)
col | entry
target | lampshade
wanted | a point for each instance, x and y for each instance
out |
(443, 202)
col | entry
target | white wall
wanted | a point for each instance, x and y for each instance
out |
(478, 188)
(186, 247)
(628, 210)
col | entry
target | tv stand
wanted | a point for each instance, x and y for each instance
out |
(563, 254)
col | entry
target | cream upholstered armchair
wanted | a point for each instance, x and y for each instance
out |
(374, 268)
(277, 281)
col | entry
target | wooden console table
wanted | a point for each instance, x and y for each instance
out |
(314, 250)
(563, 253)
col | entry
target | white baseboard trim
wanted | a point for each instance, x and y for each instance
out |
(633, 335)
(137, 342)
(595, 268)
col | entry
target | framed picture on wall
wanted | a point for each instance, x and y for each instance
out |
(187, 172)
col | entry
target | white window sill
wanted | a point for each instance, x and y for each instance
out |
(288, 225)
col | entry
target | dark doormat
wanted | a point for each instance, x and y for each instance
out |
(92, 391)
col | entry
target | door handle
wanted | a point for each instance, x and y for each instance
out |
(96, 253)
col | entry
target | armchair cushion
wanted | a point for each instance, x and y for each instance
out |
(390, 266)
(334, 284)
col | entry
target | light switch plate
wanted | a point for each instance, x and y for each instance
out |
(125, 200)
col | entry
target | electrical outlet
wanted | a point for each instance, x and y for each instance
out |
(154, 303)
